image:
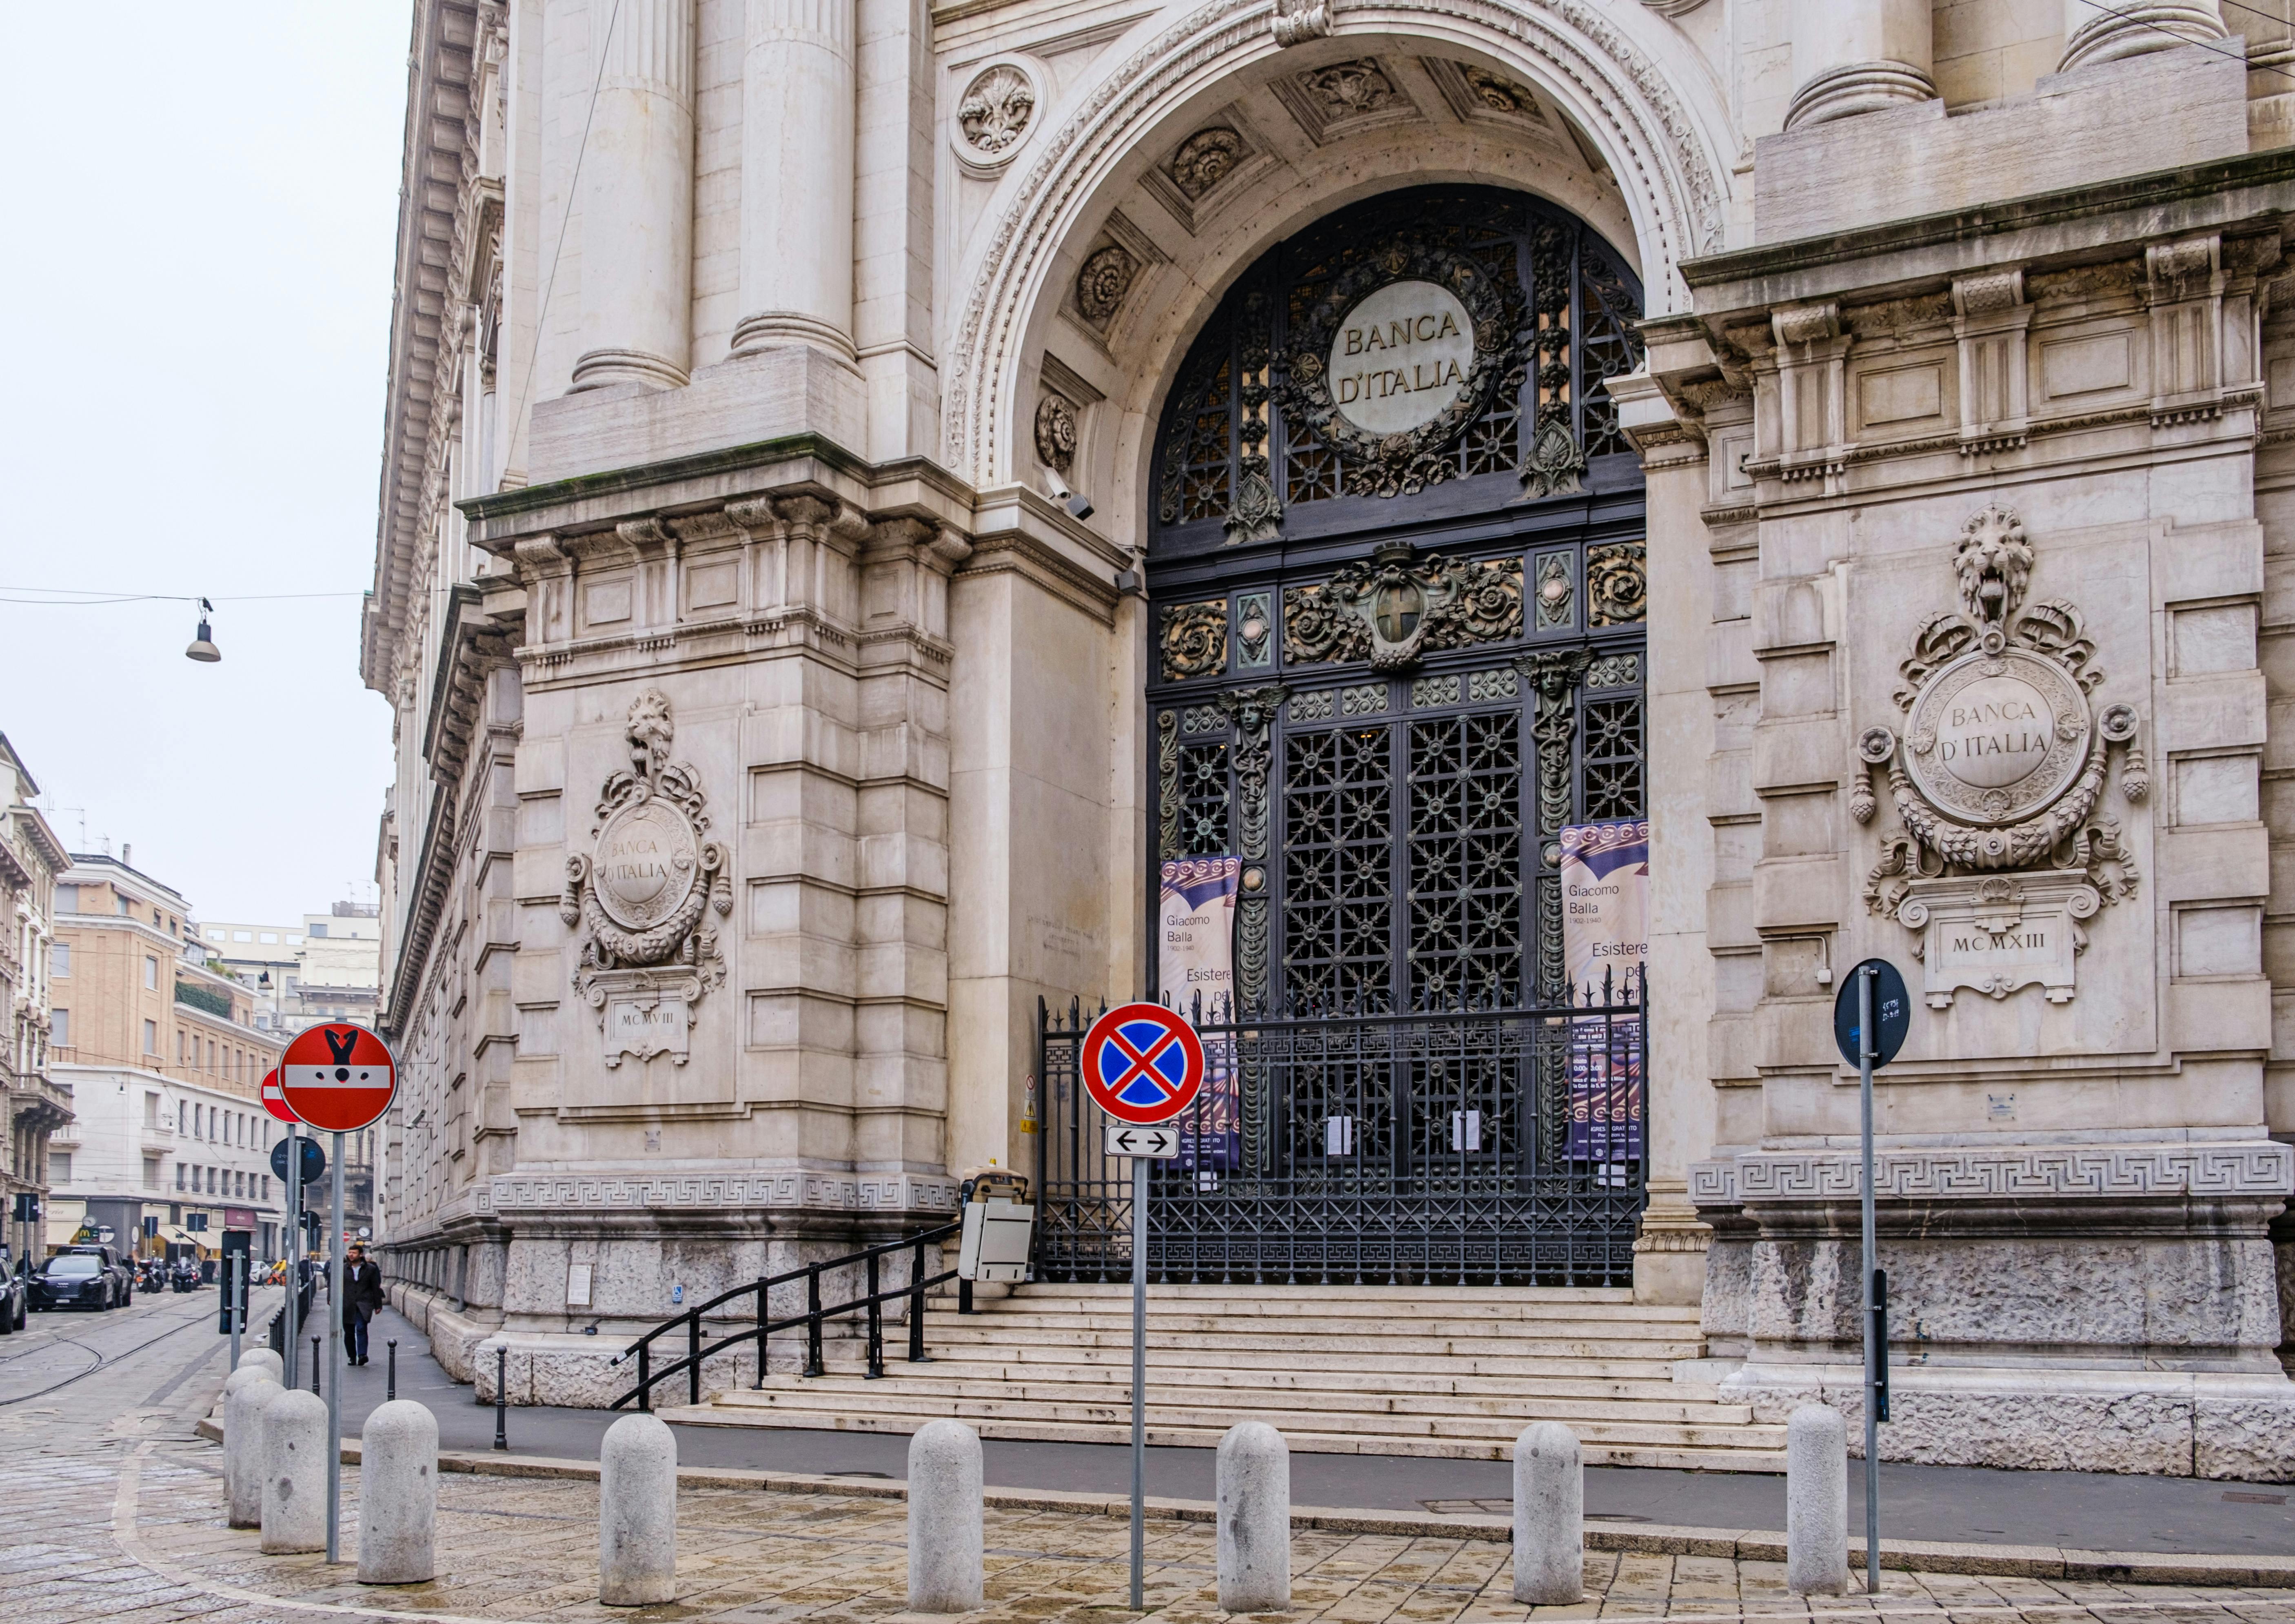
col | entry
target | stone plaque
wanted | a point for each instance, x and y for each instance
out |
(1401, 358)
(648, 1016)
(1995, 738)
(1996, 934)
(647, 863)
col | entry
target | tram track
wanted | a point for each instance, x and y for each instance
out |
(103, 1359)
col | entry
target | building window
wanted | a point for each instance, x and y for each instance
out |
(151, 1172)
(59, 1167)
(179, 1175)
(242, 935)
(266, 1186)
(60, 960)
(66, 899)
(125, 911)
(319, 932)
(150, 1110)
(272, 936)
(151, 1037)
(215, 934)
(211, 1181)
(59, 1028)
(152, 974)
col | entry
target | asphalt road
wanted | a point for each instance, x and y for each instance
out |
(2087, 1510)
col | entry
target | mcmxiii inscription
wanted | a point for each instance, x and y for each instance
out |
(1401, 358)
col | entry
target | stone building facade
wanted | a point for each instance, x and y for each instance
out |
(867, 483)
(35, 1104)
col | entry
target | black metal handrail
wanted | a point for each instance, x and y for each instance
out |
(871, 1302)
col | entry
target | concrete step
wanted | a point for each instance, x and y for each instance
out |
(1758, 1451)
(909, 1384)
(981, 1372)
(1275, 1302)
(1390, 1351)
(1583, 1326)
(1617, 1296)
(1376, 1368)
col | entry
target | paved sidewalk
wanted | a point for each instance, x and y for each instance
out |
(1950, 1505)
(527, 1551)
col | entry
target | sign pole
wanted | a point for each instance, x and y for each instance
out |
(1139, 1374)
(294, 1181)
(1866, 973)
(235, 1292)
(335, 1288)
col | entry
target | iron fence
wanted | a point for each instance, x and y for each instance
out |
(1466, 1146)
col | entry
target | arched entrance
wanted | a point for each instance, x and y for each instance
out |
(1395, 574)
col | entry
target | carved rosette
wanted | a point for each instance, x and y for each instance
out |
(2000, 769)
(1404, 463)
(644, 895)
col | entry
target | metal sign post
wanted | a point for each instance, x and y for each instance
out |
(1142, 1064)
(335, 1303)
(1875, 996)
(290, 1320)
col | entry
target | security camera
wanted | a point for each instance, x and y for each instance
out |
(1078, 503)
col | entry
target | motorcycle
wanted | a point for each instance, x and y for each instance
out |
(150, 1275)
(186, 1276)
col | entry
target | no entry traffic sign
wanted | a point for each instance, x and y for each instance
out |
(274, 1101)
(337, 1077)
(1142, 1064)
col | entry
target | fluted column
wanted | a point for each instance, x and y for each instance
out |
(798, 111)
(2105, 30)
(1859, 56)
(637, 201)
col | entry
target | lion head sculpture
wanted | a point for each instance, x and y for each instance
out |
(1993, 562)
(650, 732)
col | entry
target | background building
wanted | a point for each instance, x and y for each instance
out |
(166, 1056)
(34, 1105)
(865, 491)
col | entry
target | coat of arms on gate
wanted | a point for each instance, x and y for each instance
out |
(644, 896)
(1998, 779)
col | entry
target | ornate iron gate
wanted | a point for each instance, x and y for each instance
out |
(1467, 1147)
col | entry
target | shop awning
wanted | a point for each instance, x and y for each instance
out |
(176, 1236)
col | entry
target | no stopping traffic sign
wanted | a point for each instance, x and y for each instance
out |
(337, 1077)
(1142, 1064)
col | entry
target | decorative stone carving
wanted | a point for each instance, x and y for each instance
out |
(1195, 639)
(1257, 516)
(1556, 463)
(1997, 773)
(1498, 92)
(1205, 160)
(1347, 90)
(643, 896)
(2258, 1167)
(997, 109)
(1383, 368)
(1294, 21)
(1617, 583)
(1555, 590)
(1106, 276)
(1254, 630)
(1395, 607)
(1056, 432)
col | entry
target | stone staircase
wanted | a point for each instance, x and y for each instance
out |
(1372, 1370)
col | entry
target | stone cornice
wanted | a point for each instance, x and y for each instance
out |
(2260, 1168)
(2070, 223)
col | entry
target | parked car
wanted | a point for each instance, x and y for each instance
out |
(122, 1269)
(75, 1279)
(15, 1295)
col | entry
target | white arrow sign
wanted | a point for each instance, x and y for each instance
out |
(1152, 1143)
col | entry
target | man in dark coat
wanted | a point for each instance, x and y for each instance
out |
(361, 1302)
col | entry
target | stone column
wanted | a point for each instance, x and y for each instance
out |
(637, 201)
(798, 123)
(1859, 56)
(2105, 30)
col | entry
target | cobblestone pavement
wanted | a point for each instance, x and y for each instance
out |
(114, 1512)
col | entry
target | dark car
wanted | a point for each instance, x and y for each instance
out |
(79, 1279)
(15, 1294)
(122, 1269)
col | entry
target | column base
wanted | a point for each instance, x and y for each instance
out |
(2139, 27)
(774, 329)
(601, 367)
(1857, 87)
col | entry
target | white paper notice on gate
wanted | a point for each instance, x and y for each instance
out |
(1194, 945)
(1605, 946)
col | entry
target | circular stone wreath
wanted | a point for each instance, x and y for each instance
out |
(1403, 464)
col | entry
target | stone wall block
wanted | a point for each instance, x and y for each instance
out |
(1800, 892)
(2210, 712)
(2207, 863)
(1796, 754)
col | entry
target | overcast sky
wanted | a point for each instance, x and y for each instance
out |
(197, 310)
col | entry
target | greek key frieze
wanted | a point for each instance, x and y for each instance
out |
(2256, 1168)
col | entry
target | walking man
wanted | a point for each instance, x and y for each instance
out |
(361, 1302)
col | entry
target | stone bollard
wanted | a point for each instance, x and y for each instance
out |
(947, 1542)
(265, 1360)
(398, 1495)
(637, 1512)
(1254, 1519)
(244, 1396)
(1549, 1516)
(294, 1432)
(1817, 1501)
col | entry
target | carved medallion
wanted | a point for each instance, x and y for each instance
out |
(1205, 160)
(996, 111)
(1997, 779)
(1396, 607)
(1102, 284)
(1056, 432)
(644, 895)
